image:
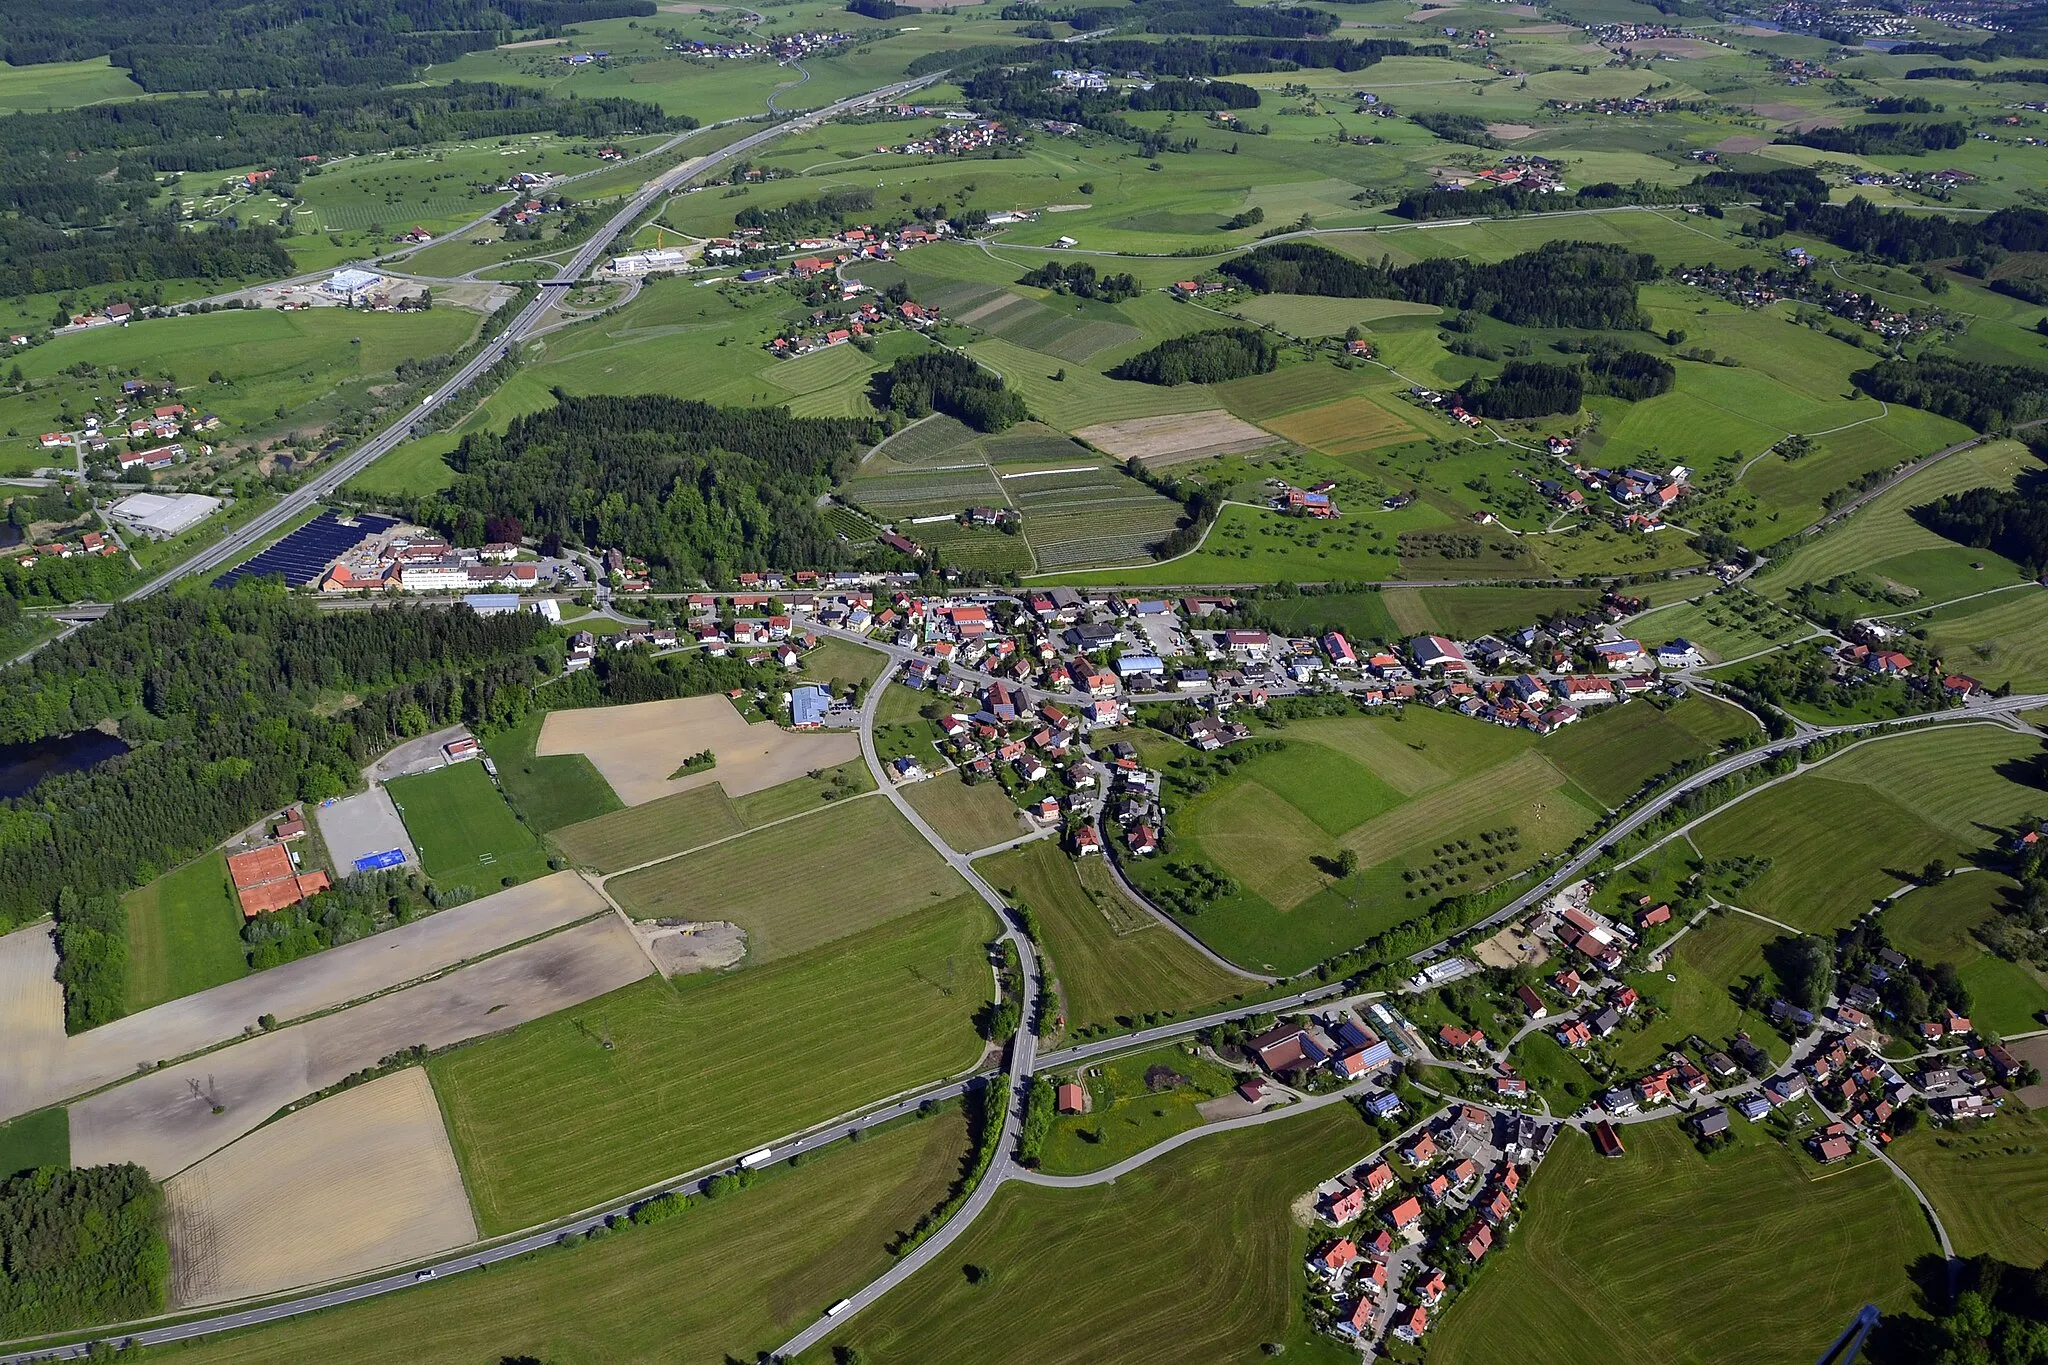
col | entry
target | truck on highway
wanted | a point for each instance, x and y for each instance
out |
(754, 1161)
(840, 1307)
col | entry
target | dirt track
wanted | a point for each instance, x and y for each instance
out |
(637, 747)
(30, 1079)
(165, 1121)
(362, 1180)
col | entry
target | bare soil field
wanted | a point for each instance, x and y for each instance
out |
(167, 1120)
(31, 1013)
(1510, 948)
(2033, 1050)
(360, 1181)
(637, 747)
(1159, 441)
(1512, 132)
(695, 946)
(297, 989)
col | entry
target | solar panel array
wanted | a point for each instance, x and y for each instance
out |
(301, 556)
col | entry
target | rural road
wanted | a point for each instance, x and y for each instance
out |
(330, 477)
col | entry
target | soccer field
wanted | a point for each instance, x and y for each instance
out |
(464, 831)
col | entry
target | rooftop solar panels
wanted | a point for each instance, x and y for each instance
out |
(301, 556)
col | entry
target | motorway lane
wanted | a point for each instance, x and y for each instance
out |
(332, 476)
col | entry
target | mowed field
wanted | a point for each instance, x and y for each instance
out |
(170, 1118)
(1615, 749)
(464, 831)
(1400, 793)
(731, 1278)
(547, 1119)
(1841, 835)
(358, 1181)
(41, 1066)
(1348, 426)
(968, 818)
(795, 885)
(1710, 962)
(2002, 639)
(1663, 1255)
(1988, 1182)
(1096, 1275)
(184, 933)
(638, 747)
(1115, 963)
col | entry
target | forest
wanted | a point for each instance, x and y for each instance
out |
(79, 1247)
(1714, 188)
(945, 381)
(700, 492)
(220, 693)
(354, 907)
(1884, 138)
(243, 44)
(1203, 358)
(1213, 17)
(1902, 238)
(1976, 394)
(1080, 280)
(803, 217)
(35, 259)
(1469, 129)
(2008, 521)
(1527, 388)
(1559, 284)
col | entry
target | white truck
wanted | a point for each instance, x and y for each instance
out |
(754, 1161)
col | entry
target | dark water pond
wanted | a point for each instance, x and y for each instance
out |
(22, 766)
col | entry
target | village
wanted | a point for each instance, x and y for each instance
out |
(1754, 288)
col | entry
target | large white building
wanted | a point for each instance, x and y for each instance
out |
(647, 262)
(162, 515)
(351, 284)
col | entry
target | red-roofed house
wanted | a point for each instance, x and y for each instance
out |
(1405, 1214)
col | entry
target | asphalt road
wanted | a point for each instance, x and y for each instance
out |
(331, 476)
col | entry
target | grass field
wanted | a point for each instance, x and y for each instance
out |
(1226, 1277)
(1348, 426)
(546, 1119)
(638, 834)
(1360, 615)
(1755, 1259)
(464, 831)
(1611, 755)
(1126, 1115)
(184, 933)
(39, 1139)
(796, 885)
(1989, 1183)
(1115, 964)
(1852, 830)
(1552, 1072)
(968, 818)
(1997, 640)
(1934, 924)
(1400, 793)
(551, 791)
(1463, 613)
(730, 1278)
(1710, 962)
(1310, 315)
(63, 85)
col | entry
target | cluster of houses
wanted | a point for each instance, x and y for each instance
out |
(976, 136)
(780, 47)
(411, 560)
(1753, 288)
(527, 212)
(1455, 1193)
(827, 330)
(89, 543)
(1537, 174)
(1630, 106)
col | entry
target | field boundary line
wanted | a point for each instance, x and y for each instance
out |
(604, 877)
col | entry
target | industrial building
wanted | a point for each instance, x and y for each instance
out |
(162, 515)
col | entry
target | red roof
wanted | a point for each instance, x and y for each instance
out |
(1072, 1099)
(259, 866)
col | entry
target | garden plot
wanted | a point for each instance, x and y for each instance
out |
(1032, 443)
(1089, 516)
(363, 1180)
(638, 747)
(925, 494)
(167, 1120)
(311, 984)
(1159, 441)
(937, 440)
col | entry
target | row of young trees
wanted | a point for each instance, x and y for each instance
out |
(1203, 358)
(1559, 284)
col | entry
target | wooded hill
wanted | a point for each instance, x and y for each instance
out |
(698, 491)
(1560, 284)
(1203, 358)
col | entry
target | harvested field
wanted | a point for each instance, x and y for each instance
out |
(297, 989)
(359, 1181)
(1160, 441)
(1349, 426)
(1511, 132)
(796, 885)
(679, 949)
(637, 747)
(31, 1013)
(167, 1120)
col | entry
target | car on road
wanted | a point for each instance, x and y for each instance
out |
(426, 1274)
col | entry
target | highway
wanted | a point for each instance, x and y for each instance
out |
(328, 477)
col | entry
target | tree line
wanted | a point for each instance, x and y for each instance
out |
(948, 382)
(1212, 17)
(1080, 280)
(1884, 138)
(700, 492)
(1559, 284)
(1203, 358)
(243, 44)
(1979, 395)
(37, 259)
(79, 1247)
(2009, 521)
(1901, 238)
(807, 217)
(1713, 189)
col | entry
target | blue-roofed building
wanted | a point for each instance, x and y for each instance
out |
(1381, 1106)
(755, 276)
(1679, 654)
(1348, 1033)
(1752, 1107)
(302, 557)
(492, 603)
(808, 705)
